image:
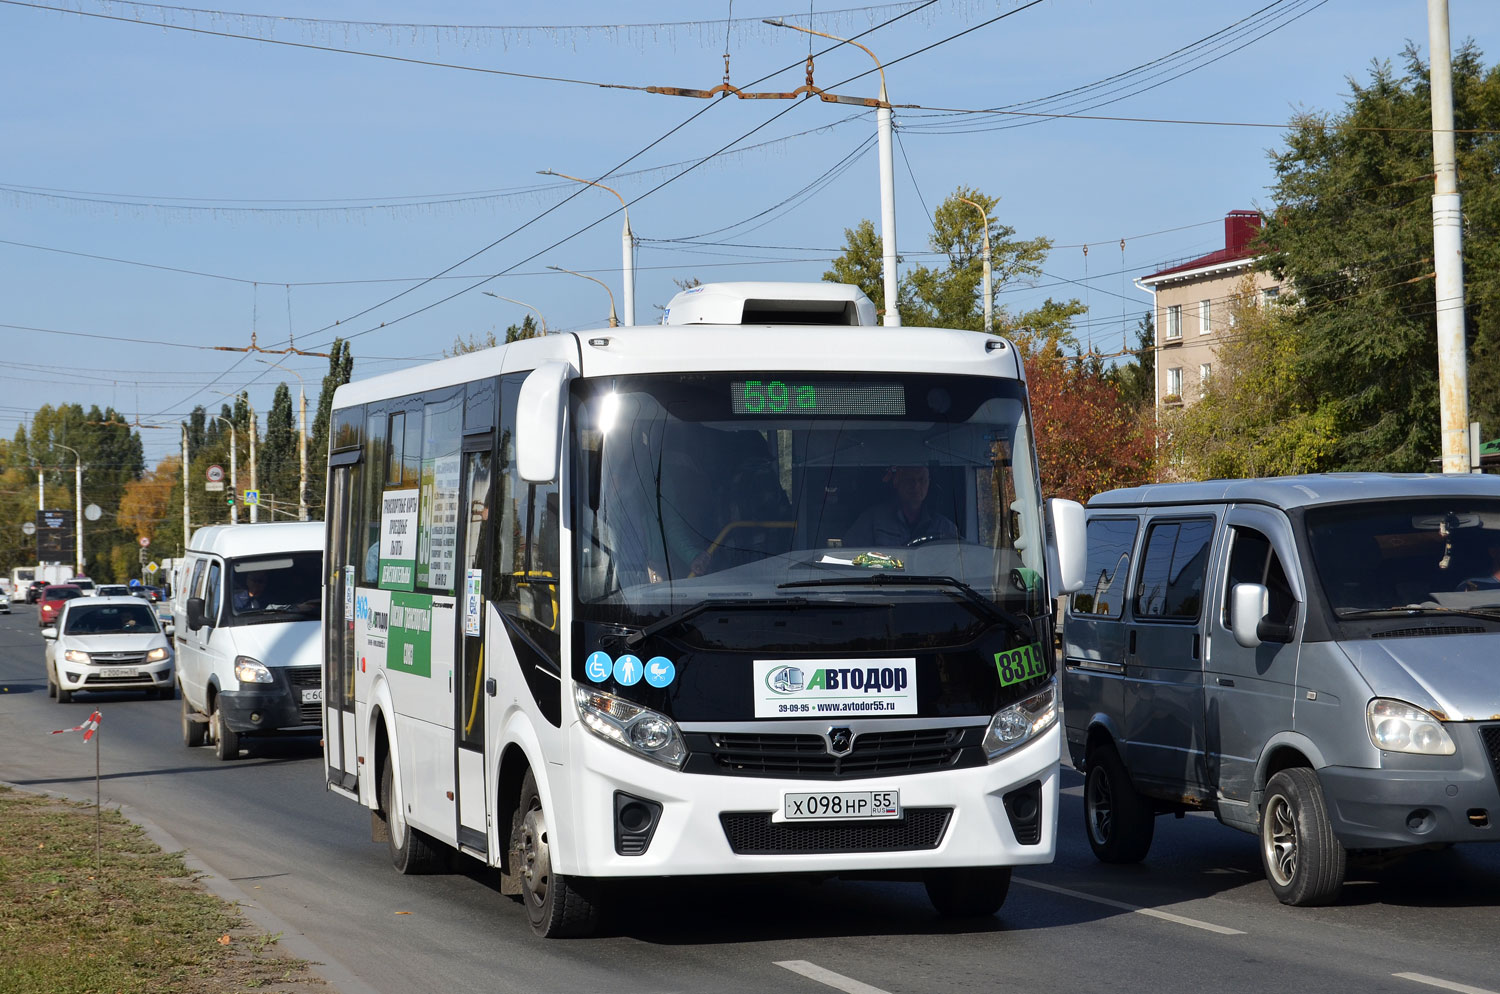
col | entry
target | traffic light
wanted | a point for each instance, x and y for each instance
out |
(229, 499)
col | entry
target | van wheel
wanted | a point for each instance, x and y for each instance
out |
(226, 739)
(560, 907)
(192, 731)
(1118, 820)
(1303, 859)
(411, 850)
(968, 892)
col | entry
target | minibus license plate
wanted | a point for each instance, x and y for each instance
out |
(841, 805)
(119, 672)
(313, 695)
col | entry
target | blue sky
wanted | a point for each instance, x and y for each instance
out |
(302, 187)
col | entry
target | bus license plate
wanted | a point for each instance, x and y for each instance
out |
(312, 695)
(119, 672)
(841, 805)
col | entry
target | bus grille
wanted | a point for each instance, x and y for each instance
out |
(754, 834)
(872, 753)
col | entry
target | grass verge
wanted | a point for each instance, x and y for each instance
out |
(138, 924)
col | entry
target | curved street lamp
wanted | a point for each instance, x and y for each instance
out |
(614, 322)
(627, 243)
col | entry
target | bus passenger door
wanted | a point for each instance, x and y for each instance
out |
(472, 693)
(338, 628)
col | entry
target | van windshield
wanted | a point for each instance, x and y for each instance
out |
(1408, 555)
(279, 588)
(712, 486)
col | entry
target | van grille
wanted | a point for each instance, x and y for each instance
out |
(1429, 632)
(306, 678)
(753, 833)
(872, 753)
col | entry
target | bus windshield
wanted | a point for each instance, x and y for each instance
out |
(725, 486)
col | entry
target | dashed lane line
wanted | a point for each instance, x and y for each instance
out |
(1151, 912)
(1447, 985)
(838, 981)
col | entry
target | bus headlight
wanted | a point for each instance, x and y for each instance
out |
(632, 727)
(249, 670)
(1022, 721)
(1396, 726)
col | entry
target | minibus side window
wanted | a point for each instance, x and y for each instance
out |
(1109, 543)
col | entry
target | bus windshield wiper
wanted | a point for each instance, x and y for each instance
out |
(951, 586)
(673, 620)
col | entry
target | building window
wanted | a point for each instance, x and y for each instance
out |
(1174, 321)
(1205, 309)
(1269, 294)
(1174, 385)
(1204, 370)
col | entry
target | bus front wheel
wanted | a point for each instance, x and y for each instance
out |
(559, 906)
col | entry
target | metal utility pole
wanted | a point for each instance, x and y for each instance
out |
(614, 322)
(1448, 252)
(989, 293)
(78, 506)
(627, 243)
(301, 438)
(186, 518)
(254, 430)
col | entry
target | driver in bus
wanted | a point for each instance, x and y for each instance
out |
(902, 518)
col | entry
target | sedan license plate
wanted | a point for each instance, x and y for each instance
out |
(841, 805)
(312, 695)
(119, 671)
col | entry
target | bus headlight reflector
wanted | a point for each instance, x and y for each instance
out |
(632, 727)
(1022, 721)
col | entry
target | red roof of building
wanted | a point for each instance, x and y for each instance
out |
(1240, 229)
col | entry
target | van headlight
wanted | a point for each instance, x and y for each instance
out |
(250, 670)
(632, 727)
(1396, 726)
(1022, 721)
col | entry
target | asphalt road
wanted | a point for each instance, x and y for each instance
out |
(1195, 915)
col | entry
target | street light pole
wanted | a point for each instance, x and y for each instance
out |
(254, 430)
(523, 303)
(78, 505)
(186, 517)
(614, 322)
(627, 244)
(301, 439)
(887, 176)
(989, 295)
(1448, 252)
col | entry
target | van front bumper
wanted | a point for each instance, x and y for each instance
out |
(1381, 809)
(280, 705)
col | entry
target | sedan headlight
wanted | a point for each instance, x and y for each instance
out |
(250, 670)
(1396, 726)
(157, 655)
(76, 656)
(1022, 721)
(632, 727)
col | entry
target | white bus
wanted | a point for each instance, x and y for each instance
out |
(20, 580)
(657, 601)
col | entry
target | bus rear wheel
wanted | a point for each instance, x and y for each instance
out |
(968, 892)
(559, 907)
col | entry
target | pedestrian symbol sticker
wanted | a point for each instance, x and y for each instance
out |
(598, 667)
(660, 671)
(628, 670)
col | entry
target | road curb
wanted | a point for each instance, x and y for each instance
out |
(339, 978)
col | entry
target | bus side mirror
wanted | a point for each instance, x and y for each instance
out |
(539, 421)
(1068, 551)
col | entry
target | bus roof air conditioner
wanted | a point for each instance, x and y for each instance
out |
(772, 303)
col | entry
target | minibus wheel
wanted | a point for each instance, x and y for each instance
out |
(1304, 860)
(1119, 821)
(559, 906)
(226, 739)
(967, 892)
(411, 850)
(192, 731)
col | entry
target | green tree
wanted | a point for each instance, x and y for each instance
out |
(280, 470)
(1136, 380)
(1352, 231)
(340, 369)
(951, 295)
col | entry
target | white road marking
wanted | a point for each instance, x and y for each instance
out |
(1446, 985)
(1152, 912)
(838, 981)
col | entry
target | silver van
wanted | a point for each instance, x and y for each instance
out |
(1314, 659)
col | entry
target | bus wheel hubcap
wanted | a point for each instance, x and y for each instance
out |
(536, 862)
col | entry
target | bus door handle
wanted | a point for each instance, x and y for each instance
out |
(491, 687)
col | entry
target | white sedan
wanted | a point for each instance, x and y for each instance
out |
(107, 643)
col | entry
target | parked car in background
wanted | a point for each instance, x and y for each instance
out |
(52, 598)
(111, 590)
(107, 643)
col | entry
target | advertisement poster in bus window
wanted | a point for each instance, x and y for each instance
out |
(398, 539)
(438, 539)
(409, 639)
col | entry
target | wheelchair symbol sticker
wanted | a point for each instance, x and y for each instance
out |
(598, 667)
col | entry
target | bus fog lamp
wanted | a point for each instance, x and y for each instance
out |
(1022, 721)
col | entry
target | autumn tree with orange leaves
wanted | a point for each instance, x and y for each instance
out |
(1088, 437)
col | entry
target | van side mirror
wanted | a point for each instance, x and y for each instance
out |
(539, 411)
(195, 618)
(1248, 605)
(1067, 552)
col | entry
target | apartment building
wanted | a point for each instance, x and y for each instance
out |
(1192, 309)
